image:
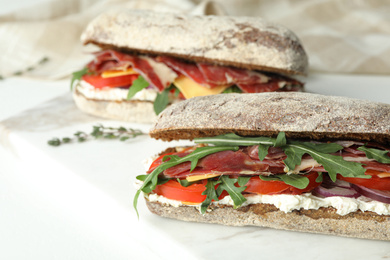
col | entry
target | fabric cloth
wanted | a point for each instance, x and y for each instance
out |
(340, 36)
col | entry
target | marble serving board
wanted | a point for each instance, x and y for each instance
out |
(93, 183)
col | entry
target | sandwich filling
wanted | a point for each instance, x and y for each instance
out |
(291, 174)
(112, 70)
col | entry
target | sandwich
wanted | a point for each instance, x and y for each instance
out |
(148, 60)
(286, 160)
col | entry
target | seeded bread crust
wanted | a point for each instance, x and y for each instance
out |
(244, 42)
(367, 225)
(128, 110)
(299, 115)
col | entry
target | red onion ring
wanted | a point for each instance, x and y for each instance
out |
(378, 195)
(336, 191)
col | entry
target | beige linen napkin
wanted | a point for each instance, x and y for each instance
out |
(43, 41)
(340, 36)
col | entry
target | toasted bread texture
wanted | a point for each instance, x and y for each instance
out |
(299, 115)
(244, 42)
(358, 224)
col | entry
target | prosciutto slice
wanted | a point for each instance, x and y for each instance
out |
(245, 161)
(113, 60)
(154, 70)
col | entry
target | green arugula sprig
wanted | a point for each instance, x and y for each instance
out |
(376, 154)
(77, 75)
(99, 132)
(320, 152)
(139, 84)
(225, 184)
(150, 180)
(162, 99)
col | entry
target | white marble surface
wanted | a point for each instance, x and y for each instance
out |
(75, 201)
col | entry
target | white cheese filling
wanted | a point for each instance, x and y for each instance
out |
(114, 94)
(288, 203)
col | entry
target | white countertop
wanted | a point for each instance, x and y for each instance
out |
(75, 201)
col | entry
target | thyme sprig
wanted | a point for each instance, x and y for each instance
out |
(28, 69)
(99, 132)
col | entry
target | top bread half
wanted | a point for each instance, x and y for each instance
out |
(243, 42)
(299, 115)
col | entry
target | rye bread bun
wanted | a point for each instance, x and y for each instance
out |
(358, 224)
(299, 115)
(127, 110)
(244, 42)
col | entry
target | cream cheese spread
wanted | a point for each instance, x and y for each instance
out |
(288, 203)
(114, 94)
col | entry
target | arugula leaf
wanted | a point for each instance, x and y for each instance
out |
(280, 140)
(234, 192)
(76, 76)
(295, 180)
(233, 139)
(151, 180)
(139, 84)
(242, 180)
(333, 164)
(161, 101)
(376, 154)
(232, 89)
(263, 151)
(321, 147)
(320, 177)
(184, 182)
(211, 194)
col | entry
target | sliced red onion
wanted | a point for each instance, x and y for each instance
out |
(328, 183)
(378, 195)
(336, 191)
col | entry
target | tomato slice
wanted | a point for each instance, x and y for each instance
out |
(158, 161)
(193, 193)
(374, 182)
(99, 82)
(173, 190)
(257, 185)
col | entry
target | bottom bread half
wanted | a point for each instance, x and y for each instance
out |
(358, 224)
(130, 111)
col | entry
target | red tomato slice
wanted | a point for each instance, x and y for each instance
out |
(257, 185)
(121, 81)
(193, 193)
(374, 182)
(158, 161)
(173, 190)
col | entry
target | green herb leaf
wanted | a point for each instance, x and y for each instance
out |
(234, 192)
(295, 180)
(232, 89)
(233, 139)
(184, 182)
(280, 139)
(376, 154)
(161, 101)
(320, 177)
(211, 194)
(263, 151)
(333, 164)
(100, 131)
(242, 180)
(76, 76)
(139, 84)
(151, 181)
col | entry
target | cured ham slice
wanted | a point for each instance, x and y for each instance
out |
(161, 71)
(245, 161)
(226, 75)
(113, 60)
